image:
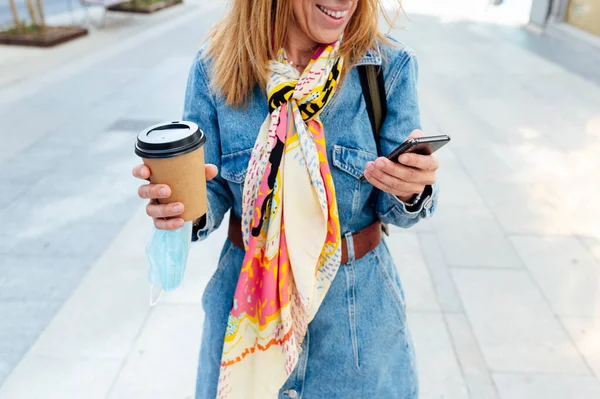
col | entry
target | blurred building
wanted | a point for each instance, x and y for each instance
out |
(579, 18)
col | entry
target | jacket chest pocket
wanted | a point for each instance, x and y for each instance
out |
(234, 167)
(352, 161)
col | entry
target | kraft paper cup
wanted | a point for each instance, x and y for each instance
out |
(174, 152)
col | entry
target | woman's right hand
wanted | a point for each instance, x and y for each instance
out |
(165, 216)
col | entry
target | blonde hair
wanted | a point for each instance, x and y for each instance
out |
(252, 32)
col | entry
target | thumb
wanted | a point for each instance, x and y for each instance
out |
(416, 133)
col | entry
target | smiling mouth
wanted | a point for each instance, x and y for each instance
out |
(333, 14)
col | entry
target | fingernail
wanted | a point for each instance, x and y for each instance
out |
(179, 223)
(380, 164)
(370, 166)
(404, 158)
(163, 191)
(178, 209)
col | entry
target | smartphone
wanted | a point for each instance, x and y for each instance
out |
(418, 145)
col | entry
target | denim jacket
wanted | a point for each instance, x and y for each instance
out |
(231, 133)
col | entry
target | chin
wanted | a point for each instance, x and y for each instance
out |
(326, 37)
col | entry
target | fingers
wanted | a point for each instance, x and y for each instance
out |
(165, 216)
(418, 161)
(151, 191)
(394, 186)
(141, 172)
(168, 224)
(211, 171)
(383, 166)
(156, 210)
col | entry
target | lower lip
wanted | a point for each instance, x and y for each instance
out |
(332, 20)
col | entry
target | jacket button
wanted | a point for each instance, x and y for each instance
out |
(292, 393)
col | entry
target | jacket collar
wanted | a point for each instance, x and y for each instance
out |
(372, 57)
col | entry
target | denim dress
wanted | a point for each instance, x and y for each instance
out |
(358, 345)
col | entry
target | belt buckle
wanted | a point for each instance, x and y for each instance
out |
(385, 228)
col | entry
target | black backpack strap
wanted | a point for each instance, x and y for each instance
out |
(373, 88)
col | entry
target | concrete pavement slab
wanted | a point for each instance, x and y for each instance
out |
(547, 386)
(104, 316)
(471, 236)
(475, 371)
(30, 278)
(164, 358)
(565, 271)
(593, 244)
(514, 325)
(439, 373)
(90, 331)
(44, 377)
(442, 281)
(22, 323)
(585, 332)
(456, 186)
(7, 364)
(526, 207)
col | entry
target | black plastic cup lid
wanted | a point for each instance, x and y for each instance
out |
(167, 140)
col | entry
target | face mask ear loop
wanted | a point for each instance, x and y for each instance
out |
(153, 301)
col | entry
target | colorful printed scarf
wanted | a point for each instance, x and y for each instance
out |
(291, 231)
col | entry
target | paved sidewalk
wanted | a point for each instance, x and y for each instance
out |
(503, 284)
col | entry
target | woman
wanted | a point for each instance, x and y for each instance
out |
(306, 300)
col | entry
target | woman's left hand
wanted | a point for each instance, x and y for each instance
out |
(404, 180)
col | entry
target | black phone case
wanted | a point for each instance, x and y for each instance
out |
(419, 145)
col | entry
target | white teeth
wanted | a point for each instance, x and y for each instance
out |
(333, 14)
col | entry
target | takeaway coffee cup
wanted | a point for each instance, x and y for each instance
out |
(174, 152)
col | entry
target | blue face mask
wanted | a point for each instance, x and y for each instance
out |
(167, 253)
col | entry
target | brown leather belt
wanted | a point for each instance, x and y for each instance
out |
(364, 240)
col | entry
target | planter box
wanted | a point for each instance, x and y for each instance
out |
(49, 37)
(143, 9)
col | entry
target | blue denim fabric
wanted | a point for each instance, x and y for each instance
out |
(358, 345)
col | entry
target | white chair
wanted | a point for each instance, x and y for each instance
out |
(104, 4)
